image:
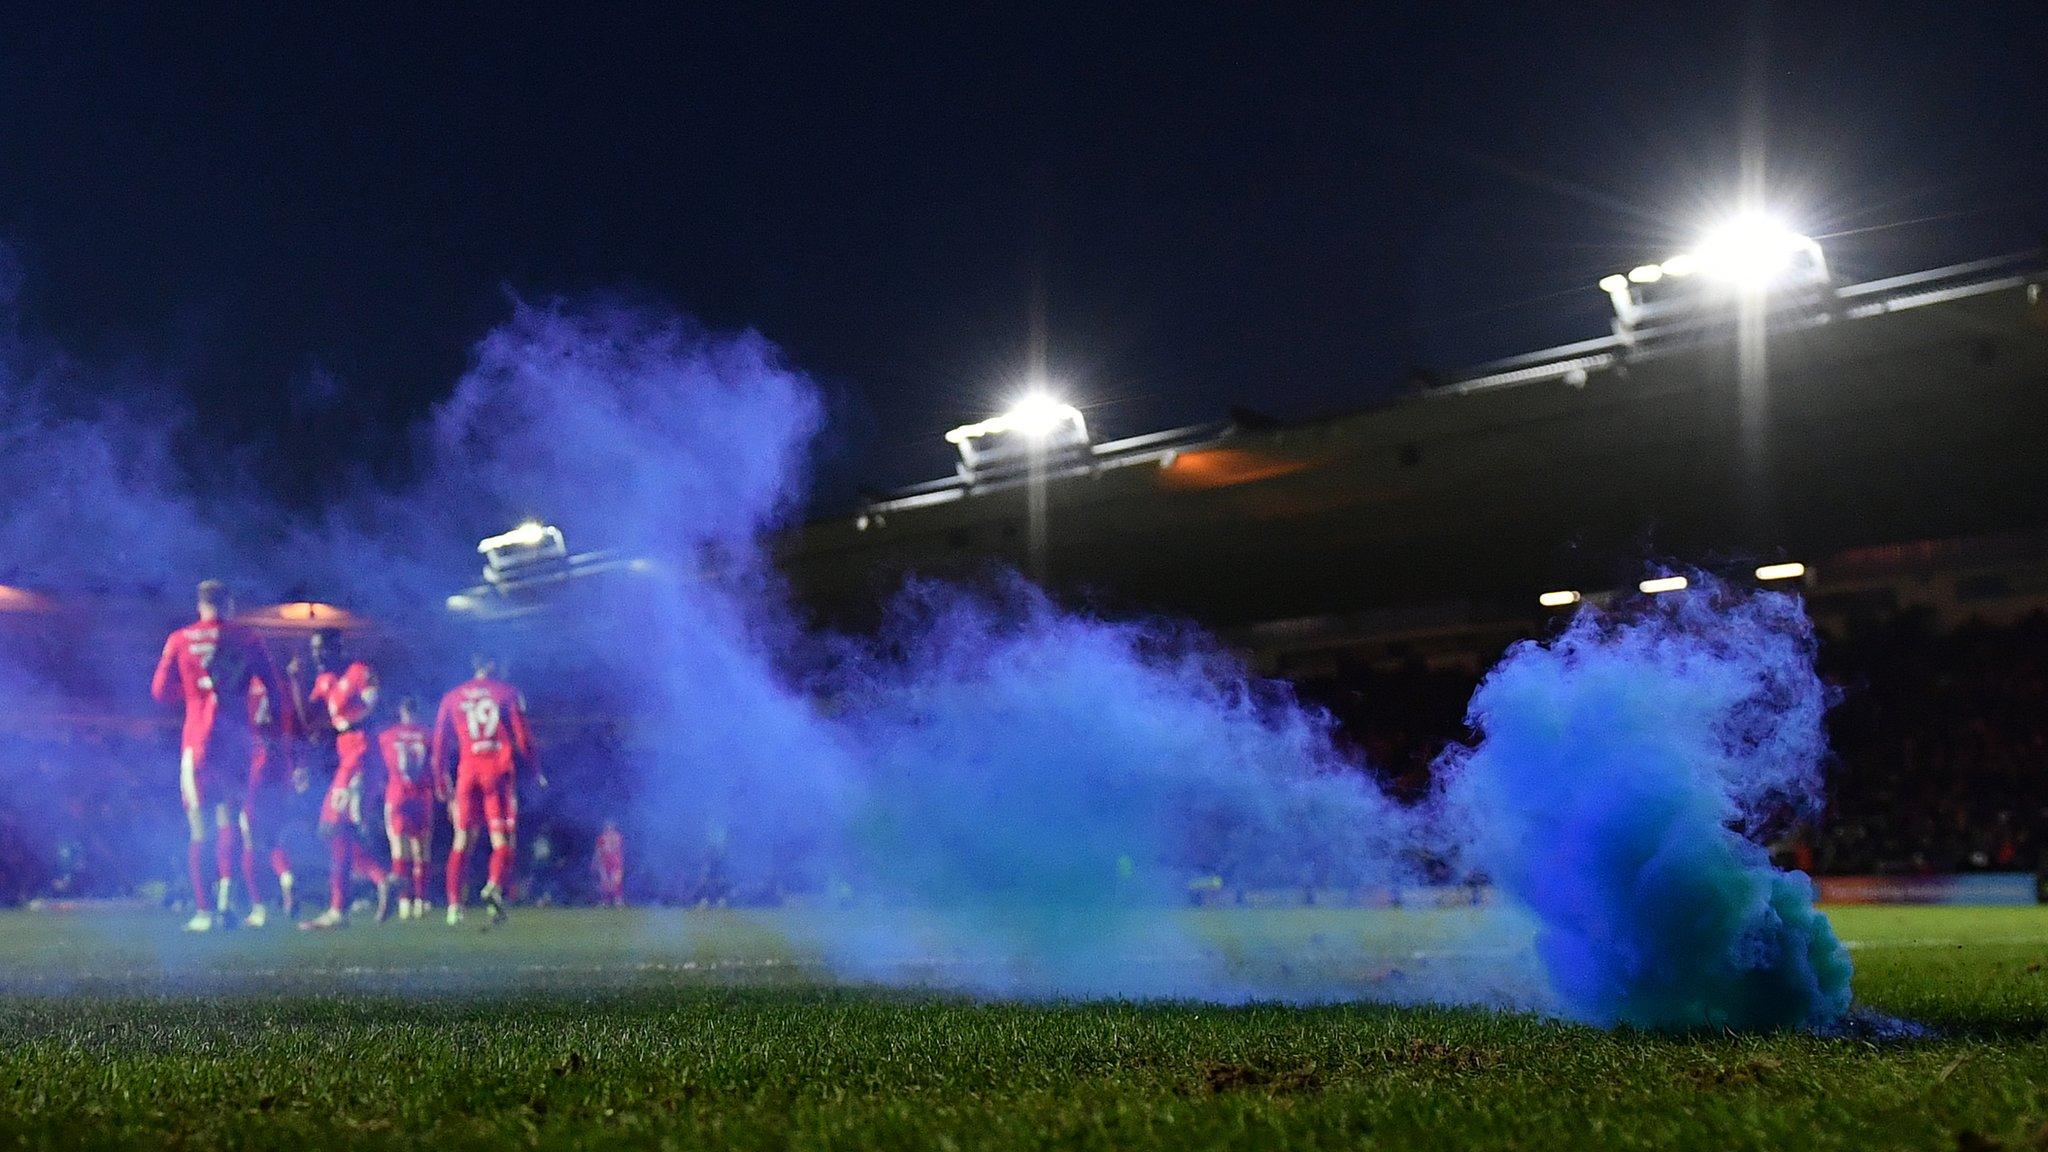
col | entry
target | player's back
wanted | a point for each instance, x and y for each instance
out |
(209, 657)
(404, 747)
(486, 720)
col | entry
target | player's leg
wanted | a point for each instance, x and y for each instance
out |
(365, 863)
(501, 814)
(408, 823)
(335, 828)
(281, 867)
(257, 916)
(416, 872)
(225, 847)
(401, 865)
(465, 812)
(422, 852)
(191, 792)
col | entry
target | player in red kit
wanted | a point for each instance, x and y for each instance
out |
(482, 726)
(408, 806)
(347, 698)
(608, 860)
(210, 665)
(275, 725)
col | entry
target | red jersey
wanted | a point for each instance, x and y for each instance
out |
(207, 658)
(482, 725)
(404, 748)
(344, 702)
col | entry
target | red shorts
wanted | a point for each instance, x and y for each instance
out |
(205, 767)
(344, 803)
(409, 819)
(490, 801)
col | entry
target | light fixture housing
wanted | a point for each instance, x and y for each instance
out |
(1039, 425)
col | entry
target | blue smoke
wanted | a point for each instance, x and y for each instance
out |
(991, 776)
(679, 447)
(1624, 771)
(1046, 781)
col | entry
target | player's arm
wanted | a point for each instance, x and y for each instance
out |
(445, 740)
(264, 669)
(522, 742)
(160, 684)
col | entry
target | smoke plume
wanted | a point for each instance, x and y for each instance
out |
(1026, 789)
(1626, 770)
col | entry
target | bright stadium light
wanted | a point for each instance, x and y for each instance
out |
(1663, 584)
(526, 535)
(1563, 598)
(1751, 251)
(1036, 417)
(1682, 265)
(1788, 571)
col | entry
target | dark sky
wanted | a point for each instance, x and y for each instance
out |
(1280, 207)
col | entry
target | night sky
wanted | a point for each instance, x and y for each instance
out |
(304, 219)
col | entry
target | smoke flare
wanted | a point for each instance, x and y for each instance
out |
(1625, 768)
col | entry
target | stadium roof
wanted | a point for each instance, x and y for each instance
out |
(1903, 408)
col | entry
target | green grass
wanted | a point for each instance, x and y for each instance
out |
(716, 1031)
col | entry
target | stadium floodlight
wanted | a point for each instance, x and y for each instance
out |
(1036, 416)
(527, 535)
(1682, 265)
(1752, 252)
(1661, 584)
(1788, 571)
(1563, 598)
(523, 552)
(1748, 255)
(1038, 430)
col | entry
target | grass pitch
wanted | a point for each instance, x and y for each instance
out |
(708, 1031)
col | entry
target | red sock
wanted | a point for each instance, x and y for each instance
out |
(366, 863)
(202, 892)
(280, 863)
(419, 878)
(501, 863)
(224, 845)
(337, 870)
(455, 856)
(249, 872)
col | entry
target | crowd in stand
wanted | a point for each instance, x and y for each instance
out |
(1940, 742)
